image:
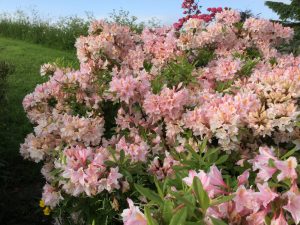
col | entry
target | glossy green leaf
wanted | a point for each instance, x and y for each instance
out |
(151, 195)
(289, 153)
(167, 211)
(222, 159)
(150, 220)
(179, 217)
(159, 189)
(222, 199)
(201, 194)
(217, 221)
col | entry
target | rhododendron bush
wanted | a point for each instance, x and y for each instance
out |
(192, 126)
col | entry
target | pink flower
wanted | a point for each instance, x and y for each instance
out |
(164, 170)
(257, 218)
(226, 69)
(246, 200)
(137, 150)
(124, 88)
(266, 195)
(112, 179)
(51, 196)
(216, 178)
(228, 16)
(133, 215)
(201, 175)
(168, 104)
(293, 205)
(265, 173)
(261, 163)
(243, 178)
(280, 220)
(205, 180)
(287, 169)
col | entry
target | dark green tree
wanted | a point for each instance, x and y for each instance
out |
(289, 15)
(286, 11)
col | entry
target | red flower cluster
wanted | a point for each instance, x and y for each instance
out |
(192, 11)
(190, 7)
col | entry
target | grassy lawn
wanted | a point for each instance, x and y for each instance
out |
(20, 180)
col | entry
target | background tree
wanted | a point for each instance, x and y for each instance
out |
(286, 11)
(290, 16)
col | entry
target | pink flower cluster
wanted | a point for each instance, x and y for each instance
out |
(251, 205)
(222, 117)
(164, 169)
(169, 104)
(160, 43)
(286, 168)
(137, 150)
(212, 182)
(192, 9)
(84, 171)
(226, 37)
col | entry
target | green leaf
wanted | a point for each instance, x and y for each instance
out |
(122, 156)
(192, 151)
(222, 159)
(179, 217)
(201, 194)
(289, 153)
(204, 56)
(223, 86)
(210, 152)
(165, 185)
(195, 223)
(151, 195)
(184, 200)
(247, 68)
(150, 220)
(159, 190)
(167, 211)
(217, 221)
(203, 145)
(222, 199)
(268, 220)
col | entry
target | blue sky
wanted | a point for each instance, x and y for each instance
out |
(166, 11)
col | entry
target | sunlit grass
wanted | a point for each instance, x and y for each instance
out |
(21, 181)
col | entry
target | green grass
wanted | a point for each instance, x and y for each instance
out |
(20, 180)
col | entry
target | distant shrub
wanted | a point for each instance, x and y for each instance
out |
(33, 28)
(62, 33)
(123, 17)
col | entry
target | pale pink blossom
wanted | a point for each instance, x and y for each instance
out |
(246, 200)
(257, 218)
(112, 179)
(280, 220)
(133, 215)
(287, 169)
(265, 194)
(293, 205)
(216, 178)
(243, 178)
(51, 196)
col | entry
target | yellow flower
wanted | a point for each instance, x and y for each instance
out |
(47, 211)
(42, 203)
